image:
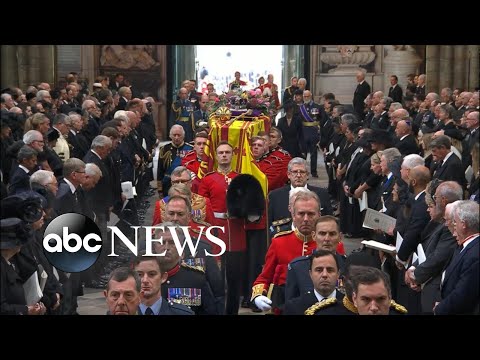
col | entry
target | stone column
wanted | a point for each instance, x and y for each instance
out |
(47, 64)
(87, 60)
(160, 115)
(446, 67)
(9, 66)
(473, 71)
(400, 63)
(432, 57)
(459, 75)
(32, 63)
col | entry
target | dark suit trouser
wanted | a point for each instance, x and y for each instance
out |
(233, 266)
(256, 251)
(311, 137)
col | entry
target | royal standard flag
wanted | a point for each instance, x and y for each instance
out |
(238, 134)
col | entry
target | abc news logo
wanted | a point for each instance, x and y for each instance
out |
(73, 242)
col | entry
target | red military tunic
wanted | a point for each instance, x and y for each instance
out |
(214, 186)
(192, 163)
(283, 158)
(285, 247)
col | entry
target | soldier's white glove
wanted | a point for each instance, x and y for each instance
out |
(263, 302)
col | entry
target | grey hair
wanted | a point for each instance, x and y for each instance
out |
(467, 211)
(451, 190)
(179, 170)
(92, 169)
(396, 105)
(297, 161)
(453, 207)
(41, 94)
(348, 118)
(391, 154)
(31, 136)
(412, 160)
(181, 235)
(309, 195)
(71, 165)
(41, 177)
(294, 192)
(101, 141)
(176, 126)
(59, 119)
(26, 152)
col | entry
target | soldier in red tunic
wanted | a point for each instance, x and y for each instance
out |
(284, 248)
(214, 186)
(194, 157)
(277, 152)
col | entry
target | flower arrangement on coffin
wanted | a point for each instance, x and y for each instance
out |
(248, 102)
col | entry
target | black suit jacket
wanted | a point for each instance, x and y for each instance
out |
(396, 93)
(19, 181)
(419, 219)
(278, 203)
(439, 247)
(361, 92)
(298, 305)
(460, 290)
(407, 146)
(101, 196)
(452, 169)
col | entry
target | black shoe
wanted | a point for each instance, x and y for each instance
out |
(245, 304)
(315, 175)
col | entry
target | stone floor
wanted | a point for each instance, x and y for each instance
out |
(93, 302)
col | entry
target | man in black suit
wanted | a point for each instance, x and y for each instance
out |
(446, 165)
(406, 143)
(459, 288)
(395, 92)
(27, 162)
(298, 175)
(439, 246)
(419, 177)
(324, 272)
(361, 92)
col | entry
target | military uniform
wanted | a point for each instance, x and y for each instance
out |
(283, 249)
(288, 93)
(311, 131)
(188, 286)
(171, 308)
(183, 111)
(214, 186)
(298, 276)
(346, 307)
(192, 162)
(283, 157)
(169, 157)
(301, 304)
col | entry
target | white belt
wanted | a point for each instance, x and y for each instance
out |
(220, 215)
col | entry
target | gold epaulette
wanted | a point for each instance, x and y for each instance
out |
(201, 222)
(281, 221)
(196, 268)
(281, 233)
(257, 290)
(320, 305)
(398, 307)
(349, 305)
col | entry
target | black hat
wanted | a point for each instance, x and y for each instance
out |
(245, 198)
(52, 135)
(14, 232)
(26, 206)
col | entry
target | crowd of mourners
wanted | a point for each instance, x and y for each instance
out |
(412, 155)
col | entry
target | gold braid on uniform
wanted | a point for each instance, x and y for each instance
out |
(199, 203)
(398, 307)
(166, 157)
(349, 305)
(196, 268)
(283, 233)
(320, 305)
(258, 290)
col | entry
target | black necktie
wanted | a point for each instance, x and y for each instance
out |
(149, 311)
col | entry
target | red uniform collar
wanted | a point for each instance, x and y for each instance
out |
(173, 271)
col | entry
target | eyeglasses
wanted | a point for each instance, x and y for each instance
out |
(298, 172)
(180, 181)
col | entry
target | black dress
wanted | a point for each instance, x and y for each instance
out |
(292, 136)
